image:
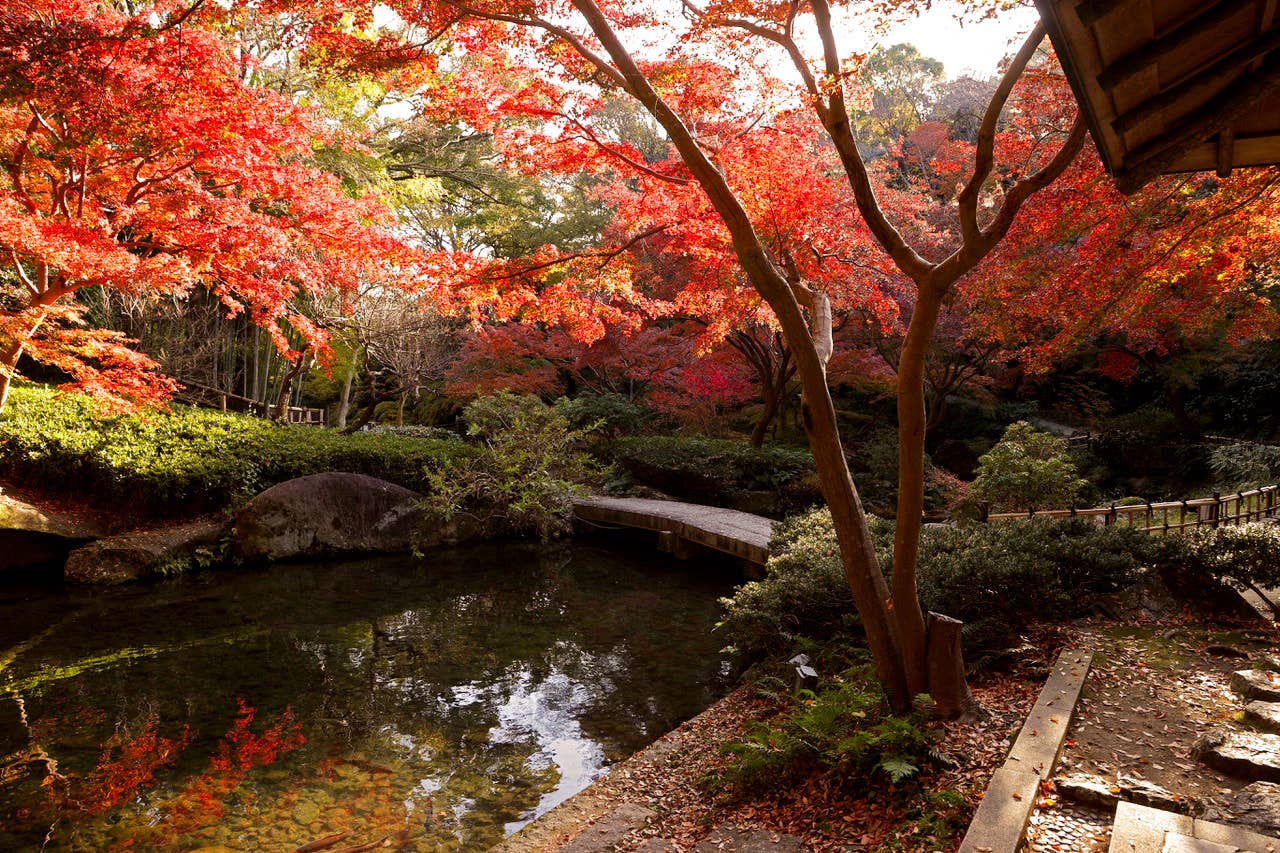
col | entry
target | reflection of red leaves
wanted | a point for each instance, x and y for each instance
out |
(126, 766)
(129, 763)
(202, 800)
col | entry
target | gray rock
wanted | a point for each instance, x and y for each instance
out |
(149, 553)
(1255, 807)
(727, 838)
(609, 830)
(326, 514)
(30, 537)
(1244, 754)
(1264, 715)
(1097, 791)
(1257, 684)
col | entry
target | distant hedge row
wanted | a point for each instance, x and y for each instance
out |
(188, 460)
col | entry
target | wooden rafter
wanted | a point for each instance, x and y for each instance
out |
(1147, 161)
(1174, 41)
(1217, 75)
(1171, 86)
(1092, 11)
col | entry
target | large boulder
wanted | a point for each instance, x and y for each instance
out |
(31, 537)
(149, 553)
(325, 515)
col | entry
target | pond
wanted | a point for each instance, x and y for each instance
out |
(442, 702)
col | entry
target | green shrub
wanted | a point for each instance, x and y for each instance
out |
(607, 415)
(716, 470)
(1026, 469)
(1246, 556)
(804, 594)
(1245, 464)
(996, 578)
(842, 728)
(187, 460)
(530, 466)
(413, 431)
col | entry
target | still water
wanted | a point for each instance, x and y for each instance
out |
(440, 703)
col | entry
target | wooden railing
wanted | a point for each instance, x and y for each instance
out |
(196, 394)
(1171, 516)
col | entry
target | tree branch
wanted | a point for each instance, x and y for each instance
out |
(984, 156)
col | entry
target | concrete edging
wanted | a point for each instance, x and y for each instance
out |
(999, 824)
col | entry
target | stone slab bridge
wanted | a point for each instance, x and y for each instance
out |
(678, 524)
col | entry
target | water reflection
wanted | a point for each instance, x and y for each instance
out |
(439, 703)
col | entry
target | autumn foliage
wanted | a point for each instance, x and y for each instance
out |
(138, 161)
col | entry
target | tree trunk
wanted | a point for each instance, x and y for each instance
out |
(344, 399)
(911, 432)
(8, 366)
(767, 415)
(1177, 397)
(286, 386)
(947, 685)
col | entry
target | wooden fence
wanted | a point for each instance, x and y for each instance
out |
(212, 398)
(1171, 516)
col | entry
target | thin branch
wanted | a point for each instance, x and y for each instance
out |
(604, 256)
(840, 128)
(630, 161)
(984, 157)
(601, 64)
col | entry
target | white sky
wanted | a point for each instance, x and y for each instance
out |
(974, 48)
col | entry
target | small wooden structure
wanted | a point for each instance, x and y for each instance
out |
(1172, 516)
(196, 394)
(738, 533)
(1173, 85)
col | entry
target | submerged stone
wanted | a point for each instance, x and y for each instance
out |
(150, 553)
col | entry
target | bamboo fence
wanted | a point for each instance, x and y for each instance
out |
(1171, 516)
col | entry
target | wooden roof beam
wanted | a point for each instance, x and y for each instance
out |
(1218, 74)
(1219, 113)
(1091, 11)
(1171, 42)
(1226, 151)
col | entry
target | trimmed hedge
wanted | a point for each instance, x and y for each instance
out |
(186, 460)
(717, 471)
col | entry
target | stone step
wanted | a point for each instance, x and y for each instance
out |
(1264, 715)
(1257, 684)
(1139, 829)
(1246, 755)
(1105, 793)
(1255, 807)
(608, 831)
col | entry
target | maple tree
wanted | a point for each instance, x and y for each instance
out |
(137, 160)
(586, 42)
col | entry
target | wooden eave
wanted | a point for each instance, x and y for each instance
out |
(1173, 85)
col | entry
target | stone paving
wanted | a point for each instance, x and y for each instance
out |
(1067, 827)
